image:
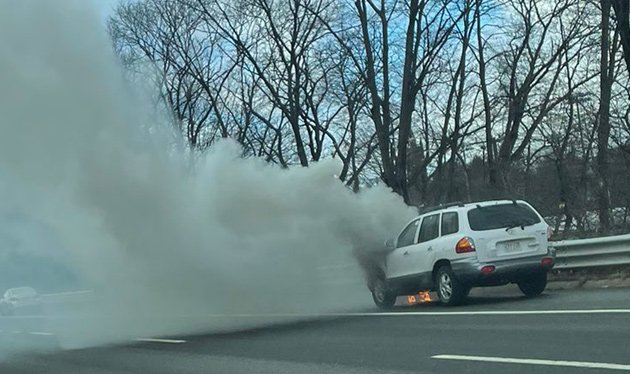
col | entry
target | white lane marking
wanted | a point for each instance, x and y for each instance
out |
(168, 341)
(527, 361)
(40, 333)
(494, 312)
(458, 313)
(334, 267)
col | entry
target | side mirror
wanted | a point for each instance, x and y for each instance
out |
(389, 244)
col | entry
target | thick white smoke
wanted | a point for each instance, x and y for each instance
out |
(161, 246)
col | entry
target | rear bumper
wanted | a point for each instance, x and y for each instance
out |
(468, 270)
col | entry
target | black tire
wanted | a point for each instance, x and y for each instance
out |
(382, 296)
(534, 285)
(449, 289)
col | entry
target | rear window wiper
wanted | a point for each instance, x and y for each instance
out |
(513, 225)
(520, 224)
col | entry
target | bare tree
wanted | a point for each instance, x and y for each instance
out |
(163, 39)
(279, 41)
(440, 99)
(607, 71)
(532, 68)
(428, 25)
(622, 11)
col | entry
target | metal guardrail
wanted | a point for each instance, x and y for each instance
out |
(581, 253)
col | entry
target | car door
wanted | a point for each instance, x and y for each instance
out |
(397, 260)
(427, 246)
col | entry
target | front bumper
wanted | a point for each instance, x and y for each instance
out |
(468, 270)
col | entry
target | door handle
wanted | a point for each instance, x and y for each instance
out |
(430, 249)
(406, 253)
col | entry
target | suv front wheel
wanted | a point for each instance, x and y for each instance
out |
(383, 297)
(449, 289)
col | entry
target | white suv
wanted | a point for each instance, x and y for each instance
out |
(455, 247)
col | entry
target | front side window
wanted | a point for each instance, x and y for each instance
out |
(430, 228)
(408, 235)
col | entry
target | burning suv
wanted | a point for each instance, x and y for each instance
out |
(455, 247)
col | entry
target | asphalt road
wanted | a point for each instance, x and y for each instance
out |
(498, 331)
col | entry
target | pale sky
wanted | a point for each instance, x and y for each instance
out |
(105, 7)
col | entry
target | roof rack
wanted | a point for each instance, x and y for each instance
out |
(422, 209)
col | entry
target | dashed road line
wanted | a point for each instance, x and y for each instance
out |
(528, 361)
(41, 333)
(167, 341)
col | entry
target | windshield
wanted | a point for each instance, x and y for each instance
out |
(502, 215)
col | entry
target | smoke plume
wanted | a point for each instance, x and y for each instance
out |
(164, 248)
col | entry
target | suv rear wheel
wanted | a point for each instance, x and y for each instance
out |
(449, 289)
(383, 298)
(534, 285)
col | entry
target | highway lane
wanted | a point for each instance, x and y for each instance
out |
(372, 342)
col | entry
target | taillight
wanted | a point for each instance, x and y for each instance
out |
(488, 269)
(465, 245)
(549, 232)
(546, 262)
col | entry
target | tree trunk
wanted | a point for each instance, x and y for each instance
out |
(408, 100)
(381, 119)
(622, 11)
(452, 193)
(603, 131)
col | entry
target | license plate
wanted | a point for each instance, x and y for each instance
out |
(512, 246)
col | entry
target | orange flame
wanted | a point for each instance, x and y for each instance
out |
(425, 297)
(422, 297)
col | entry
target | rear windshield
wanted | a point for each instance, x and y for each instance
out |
(503, 215)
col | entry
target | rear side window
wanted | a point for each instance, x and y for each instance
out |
(430, 228)
(503, 215)
(450, 223)
(408, 235)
